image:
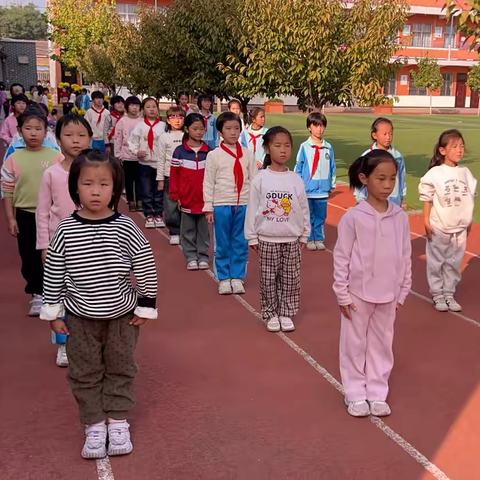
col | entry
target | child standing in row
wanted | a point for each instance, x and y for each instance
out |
(21, 176)
(87, 278)
(371, 235)
(228, 173)
(118, 110)
(54, 203)
(123, 130)
(235, 107)
(382, 134)
(9, 128)
(187, 175)
(316, 166)
(168, 143)
(144, 143)
(183, 99)
(277, 227)
(205, 103)
(252, 136)
(448, 191)
(96, 116)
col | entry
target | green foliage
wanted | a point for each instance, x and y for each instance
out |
(428, 75)
(22, 23)
(473, 81)
(466, 17)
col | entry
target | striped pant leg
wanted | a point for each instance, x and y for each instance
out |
(270, 262)
(289, 279)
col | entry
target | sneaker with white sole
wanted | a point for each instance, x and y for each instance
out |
(62, 359)
(311, 245)
(96, 441)
(36, 305)
(273, 324)
(453, 305)
(203, 265)
(225, 287)
(159, 223)
(440, 304)
(174, 239)
(380, 409)
(287, 324)
(358, 409)
(192, 265)
(119, 442)
(149, 222)
(237, 286)
(319, 245)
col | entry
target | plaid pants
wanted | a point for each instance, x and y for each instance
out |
(279, 279)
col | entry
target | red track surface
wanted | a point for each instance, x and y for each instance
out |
(220, 398)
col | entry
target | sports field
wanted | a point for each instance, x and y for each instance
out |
(414, 137)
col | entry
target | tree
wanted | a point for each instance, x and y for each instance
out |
(428, 76)
(22, 23)
(473, 82)
(466, 17)
(317, 50)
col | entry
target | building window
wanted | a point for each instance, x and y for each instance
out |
(391, 87)
(447, 87)
(449, 37)
(413, 90)
(422, 35)
(127, 12)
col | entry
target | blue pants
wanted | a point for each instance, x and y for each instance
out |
(151, 197)
(230, 246)
(100, 144)
(318, 215)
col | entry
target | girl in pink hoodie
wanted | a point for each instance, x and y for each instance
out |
(372, 270)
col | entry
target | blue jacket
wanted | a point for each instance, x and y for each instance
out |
(400, 190)
(323, 180)
(211, 134)
(247, 141)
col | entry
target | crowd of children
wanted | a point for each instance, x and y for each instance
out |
(195, 171)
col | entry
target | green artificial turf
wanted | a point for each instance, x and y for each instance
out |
(414, 136)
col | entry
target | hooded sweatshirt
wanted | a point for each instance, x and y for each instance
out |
(372, 256)
(452, 191)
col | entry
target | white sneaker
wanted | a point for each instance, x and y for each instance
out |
(192, 265)
(225, 287)
(119, 442)
(358, 409)
(453, 305)
(36, 305)
(319, 245)
(175, 240)
(379, 409)
(62, 359)
(287, 324)
(203, 265)
(237, 286)
(159, 223)
(95, 443)
(273, 325)
(149, 222)
(440, 304)
(311, 245)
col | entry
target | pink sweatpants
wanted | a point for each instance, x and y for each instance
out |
(366, 351)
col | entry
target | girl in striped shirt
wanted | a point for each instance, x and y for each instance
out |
(87, 278)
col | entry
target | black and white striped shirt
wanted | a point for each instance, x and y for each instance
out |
(87, 271)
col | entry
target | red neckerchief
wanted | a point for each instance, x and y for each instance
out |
(237, 167)
(150, 136)
(205, 119)
(316, 159)
(254, 140)
(99, 114)
(114, 114)
(186, 108)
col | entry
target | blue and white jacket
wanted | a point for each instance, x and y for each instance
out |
(211, 133)
(323, 180)
(255, 145)
(400, 189)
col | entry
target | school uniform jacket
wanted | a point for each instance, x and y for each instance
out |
(211, 134)
(186, 177)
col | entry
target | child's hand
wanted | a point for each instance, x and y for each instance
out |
(161, 185)
(209, 218)
(331, 192)
(429, 231)
(254, 248)
(179, 205)
(141, 154)
(44, 255)
(302, 245)
(398, 306)
(138, 320)
(108, 149)
(59, 326)
(13, 227)
(469, 229)
(345, 309)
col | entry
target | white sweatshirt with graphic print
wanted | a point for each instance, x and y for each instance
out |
(277, 209)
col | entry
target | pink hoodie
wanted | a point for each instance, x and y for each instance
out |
(372, 257)
(123, 130)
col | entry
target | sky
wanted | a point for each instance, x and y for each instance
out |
(39, 3)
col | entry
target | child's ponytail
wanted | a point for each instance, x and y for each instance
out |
(354, 171)
(443, 141)
(267, 161)
(366, 164)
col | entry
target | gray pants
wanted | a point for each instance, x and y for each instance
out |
(194, 236)
(171, 212)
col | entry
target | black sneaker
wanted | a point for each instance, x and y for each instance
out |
(132, 207)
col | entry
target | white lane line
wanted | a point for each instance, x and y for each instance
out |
(104, 469)
(398, 439)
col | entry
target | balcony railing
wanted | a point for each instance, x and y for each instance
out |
(435, 43)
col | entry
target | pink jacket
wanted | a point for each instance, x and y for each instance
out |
(9, 129)
(123, 130)
(372, 257)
